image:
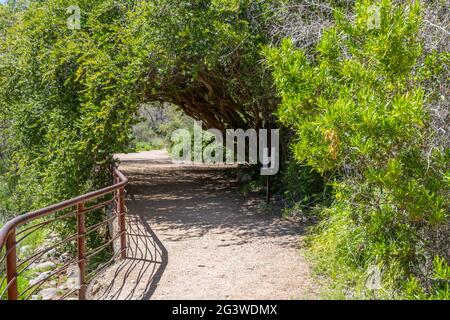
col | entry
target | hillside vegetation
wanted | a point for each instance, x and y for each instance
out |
(360, 90)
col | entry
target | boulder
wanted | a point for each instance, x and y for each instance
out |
(49, 293)
(49, 254)
(43, 266)
(40, 277)
(243, 178)
(25, 249)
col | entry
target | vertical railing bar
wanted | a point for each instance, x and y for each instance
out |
(122, 223)
(11, 266)
(81, 244)
(117, 212)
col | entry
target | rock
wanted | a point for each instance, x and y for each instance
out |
(40, 277)
(34, 297)
(53, 236)
(278, 198)
(73, 272)
(49, 254)
(43, 266)
(65, 257)
(49, 293)
(25, 249)
(71, 283)
(95, 288)
(243, 178)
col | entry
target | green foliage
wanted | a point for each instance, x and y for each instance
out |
(302, 185)
(65, 93)
(358, 106)
(147, 134)
(145, 146)
(5, 198)
(70, 97)
(176, 120)
(205, 57)
(440, 288)
(251, 187)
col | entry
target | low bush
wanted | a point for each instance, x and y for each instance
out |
(358, 106)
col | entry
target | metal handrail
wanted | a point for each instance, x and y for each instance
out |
(28, 217)
(8, 231)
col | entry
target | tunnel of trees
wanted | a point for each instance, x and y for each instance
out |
(78, 91)
(360, 88)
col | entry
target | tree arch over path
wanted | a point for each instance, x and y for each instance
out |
(72, 79)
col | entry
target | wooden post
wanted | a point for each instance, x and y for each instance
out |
(81, 243)
(122, 226)
(11, 266)
(269, 154)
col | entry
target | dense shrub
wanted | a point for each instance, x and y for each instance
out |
(357, 103)
(302, 190)
(71, 95)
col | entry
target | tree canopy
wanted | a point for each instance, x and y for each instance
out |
(70, 95)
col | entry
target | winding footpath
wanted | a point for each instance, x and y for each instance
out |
(192, 235)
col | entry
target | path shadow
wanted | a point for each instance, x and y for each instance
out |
(184, 206)
(189, 203)
(136, 277)
(164, 261)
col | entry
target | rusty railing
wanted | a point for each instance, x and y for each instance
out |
(15, 264)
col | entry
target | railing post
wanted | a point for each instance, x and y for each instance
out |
(122, 227)
(81, 243)
(11, 266)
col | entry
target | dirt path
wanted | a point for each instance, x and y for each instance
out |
(192, 235)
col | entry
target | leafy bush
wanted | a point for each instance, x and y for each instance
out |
(440, 288)
(302, 185)
(358, 106)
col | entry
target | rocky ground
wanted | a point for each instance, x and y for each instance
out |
(43, 284)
